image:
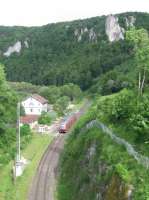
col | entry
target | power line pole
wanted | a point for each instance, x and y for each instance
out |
(18, 133)
(20, 163)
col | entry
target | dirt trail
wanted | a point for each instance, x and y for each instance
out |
(44, 182)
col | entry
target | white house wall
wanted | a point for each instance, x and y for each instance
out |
(33, 107)
(45, 107)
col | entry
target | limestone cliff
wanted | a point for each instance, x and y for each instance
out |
(113, 29)
(15, 48)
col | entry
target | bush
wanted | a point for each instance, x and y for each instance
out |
(25, 130)
(119, 107)
(122, 172)
(61, 105)
(123, 105)
(140, 119)
(45, 118)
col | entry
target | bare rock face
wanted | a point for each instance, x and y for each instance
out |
(79, 33)
(113, 29)
(76, 32)
(26, 44)
(92, 35)
(130, 21)
(15, 48)
(118, 190)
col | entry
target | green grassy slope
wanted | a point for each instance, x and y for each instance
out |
(19, 189)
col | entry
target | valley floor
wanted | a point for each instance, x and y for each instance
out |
(19, 189)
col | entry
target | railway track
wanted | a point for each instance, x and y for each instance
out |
(44, 182)
(43, 185)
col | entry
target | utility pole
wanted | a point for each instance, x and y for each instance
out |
(18, 167)
(20, 162)
(18, 133)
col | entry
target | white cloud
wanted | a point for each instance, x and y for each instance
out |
(39, 12)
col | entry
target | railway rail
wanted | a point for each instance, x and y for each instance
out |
(43, 185)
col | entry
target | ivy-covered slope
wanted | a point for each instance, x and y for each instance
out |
(77, 51)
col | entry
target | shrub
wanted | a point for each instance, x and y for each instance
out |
(123, 172)
(25, 130)
(45, 118)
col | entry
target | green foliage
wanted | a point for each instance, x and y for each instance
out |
(56, 57)
(140, 39)
(45, 118)
(90, 163)
(122, 76)
(24, 87)
(122, 106)
(123, 172)
(72, 91)
(25, 130)
(114, 81)
(128, 114)
(8, 118)
(8, 102)
(119, 107)
(53, 93)
(61, 105)
(139, 119)
(22, 111)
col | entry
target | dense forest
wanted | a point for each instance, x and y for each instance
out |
(70, 52)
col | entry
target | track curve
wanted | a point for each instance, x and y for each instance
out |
(44, 182)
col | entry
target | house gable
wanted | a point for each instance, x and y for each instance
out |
(35, 105)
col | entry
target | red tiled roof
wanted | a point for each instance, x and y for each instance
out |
(40, 98)
(28, 119)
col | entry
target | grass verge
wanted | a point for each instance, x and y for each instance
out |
(19, 189)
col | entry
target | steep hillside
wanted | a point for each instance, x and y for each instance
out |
(77, 51)
(98, 165)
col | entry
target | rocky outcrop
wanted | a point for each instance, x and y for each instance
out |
(79, 33)
(12, 49)
(16, 48)
(113, 29)
(26, 44)
(130, 21)
(92, 35)
(117, 190)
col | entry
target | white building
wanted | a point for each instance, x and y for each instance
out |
(35, 105)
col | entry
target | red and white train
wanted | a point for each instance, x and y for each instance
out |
(67, 123)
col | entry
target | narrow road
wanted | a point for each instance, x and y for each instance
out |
(44, 182)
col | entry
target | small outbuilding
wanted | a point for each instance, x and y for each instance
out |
(31, 120)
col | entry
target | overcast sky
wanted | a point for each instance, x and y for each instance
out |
(40, 12)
